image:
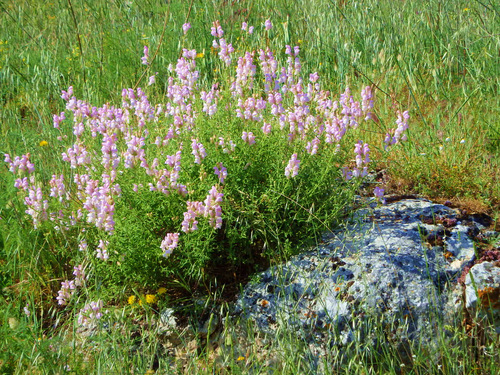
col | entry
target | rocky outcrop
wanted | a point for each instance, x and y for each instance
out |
(394, 267)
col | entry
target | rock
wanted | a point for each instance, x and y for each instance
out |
(393, 267)
(482, 292)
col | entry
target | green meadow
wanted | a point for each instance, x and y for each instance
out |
(187, 160)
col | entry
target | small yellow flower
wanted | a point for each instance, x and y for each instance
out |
(466, 9)
(44, 143)
(150, 298)
(162, 291)
(131, 300)
(241, 358)
(200, 55)
(301, 41)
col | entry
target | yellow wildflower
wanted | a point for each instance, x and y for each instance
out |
(44, 143)
(241, 358)
(131, 300)
(466, 9)
(200, 55)
(150, 298)
(162, 290)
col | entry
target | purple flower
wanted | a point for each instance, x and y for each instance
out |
(198, 151)
(221, 171)
(169, 243)
(216, 30)
(101, 251)
(213, 209)
(268, 25)
(244, 26)
(186, 27)
(248, 138)
(378, 192)
(144, 59)
(292, 167)
(152, 80)
(90, 313)
(194, 209)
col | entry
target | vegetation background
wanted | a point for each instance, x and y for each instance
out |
(440, 59)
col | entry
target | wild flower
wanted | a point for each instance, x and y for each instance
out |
(67, 290)
(161, 291)
(378, 192)
(216, 30)
(26, 310)
(90, 313)
(194, 209)
(198, 151)
(43, 143)
(102, 251)
(145, 57)
(212, 208)
(169, 243)
(292, 169)
(152, 79)
(131, 300)
(186, 27)
(79, 274)
(221, 172)
(248, 137)
(268, 25)
(150, 299)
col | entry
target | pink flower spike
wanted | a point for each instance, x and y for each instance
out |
(221, 172)
(186, 27)
(244, 26)
(169, 243)
(378, 192)
(268, 25)
(292, 167)
(152, 80)
(144, 59)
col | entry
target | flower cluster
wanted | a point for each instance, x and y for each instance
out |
(19, 163)
(68, 287)
(66, 292)
(292, 169)
(362, 151)
(212, 208)
(90, 313)
(402, 125)
(225, 49)
(221, 172)
(169, 243)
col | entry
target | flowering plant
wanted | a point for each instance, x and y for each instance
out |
(213, 177)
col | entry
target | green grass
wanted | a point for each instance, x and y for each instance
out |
(439, 59)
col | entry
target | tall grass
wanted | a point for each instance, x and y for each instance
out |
(438, 58)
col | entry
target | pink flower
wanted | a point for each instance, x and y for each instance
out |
(378, 192)
(268, 25)
(144, 59)
(169, 243)
(186, 27)
(248, 138)
(292, 167)
(220, 171)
